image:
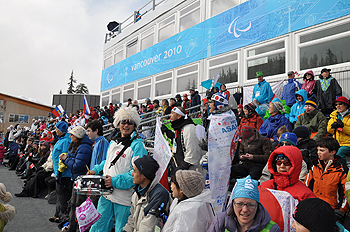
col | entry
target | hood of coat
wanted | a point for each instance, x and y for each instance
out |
(205, 196)
(285, 179)
(302, 93)
(86, 140)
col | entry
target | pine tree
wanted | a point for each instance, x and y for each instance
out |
(60, 91)
(82, 88)
(71, 82)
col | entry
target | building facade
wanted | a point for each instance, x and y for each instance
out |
(182, 43)
(73, 102)
(15, 110)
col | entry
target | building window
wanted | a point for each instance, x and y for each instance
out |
(42, 118)
(166, 28)
(163, 84)
(147, 39)
(1, 116)
(105, 101)
(131, 47)
(269, 58)
(116, 96)
(325, 47)
(187, 78)
(190, 16)
(18, 118)
(144, 89)
(219, 6)
(118, 55)
(128, 94)
(108, 62)
(226, 67)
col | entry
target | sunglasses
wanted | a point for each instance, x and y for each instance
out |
(129, 122)
(284, 143)
(285, 162)
(339, 104)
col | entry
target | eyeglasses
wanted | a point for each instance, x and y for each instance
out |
(241, 205)
(130, 122)
(284, 143)
(339, 104)
(285, 162)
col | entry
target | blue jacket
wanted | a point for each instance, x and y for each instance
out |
(195, 100)
(78, 160)
(262, 92)
(60, 147)
(99, 152)
(298, 107)
(13, 149)
(272, 124)
(289, 90)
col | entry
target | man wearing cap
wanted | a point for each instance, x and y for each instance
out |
(290, 88)
(262, 94)
(149, 195)
(254, 152)
(186, 151)
(327, 89)
(64, 188)
(195, 100)
(313, 119)
(339, 125)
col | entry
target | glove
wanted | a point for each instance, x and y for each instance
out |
(340, 123)
(203, 145)
(59, 177)
(335, 125)
(339, 215)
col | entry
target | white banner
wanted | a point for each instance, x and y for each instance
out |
(277, 89)
(161, 152)
(222, 140)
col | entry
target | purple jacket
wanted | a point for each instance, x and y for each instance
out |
(223, 221)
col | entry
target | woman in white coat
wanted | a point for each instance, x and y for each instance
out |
(191, 210)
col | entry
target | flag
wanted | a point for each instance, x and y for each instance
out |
(86, 106)
(59, 112)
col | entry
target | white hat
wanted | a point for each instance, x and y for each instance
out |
(78, 132)
(127, 113)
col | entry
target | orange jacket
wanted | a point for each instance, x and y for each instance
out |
(254, 121)
(328, 184)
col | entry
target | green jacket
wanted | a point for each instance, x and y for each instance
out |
(315, 121)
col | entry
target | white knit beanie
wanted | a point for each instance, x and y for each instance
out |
(78, 132)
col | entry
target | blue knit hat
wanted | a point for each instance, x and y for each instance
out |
(62, 126)
(289, 137)
(312, 101)
(246, 188)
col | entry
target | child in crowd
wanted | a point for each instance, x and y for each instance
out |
(306, 145)
(327, 177)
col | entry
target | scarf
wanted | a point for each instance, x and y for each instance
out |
(325, 83)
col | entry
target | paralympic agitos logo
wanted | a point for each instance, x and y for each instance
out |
(234, 31)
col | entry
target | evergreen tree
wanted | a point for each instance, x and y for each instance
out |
(71, 82)
(60, 91)
(82, 88)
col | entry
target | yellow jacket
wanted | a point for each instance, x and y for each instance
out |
(343, 137)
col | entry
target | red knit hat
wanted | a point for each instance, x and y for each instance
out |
(240, 106)
(341, 99)
(247, 132)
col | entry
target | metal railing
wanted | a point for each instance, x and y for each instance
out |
(132, 19)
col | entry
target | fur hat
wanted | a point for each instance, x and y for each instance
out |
(126, 113)
(315, 215)
(78, 132)
(4, 196)
(191, 182)
(246, 188)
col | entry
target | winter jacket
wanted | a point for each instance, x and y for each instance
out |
(315, 121)
(325, 98)
(48, 165)
(11, 135)
(145, 206)
(299, 107)
(223, 221)
(61, 147)
(260, 148)
(262, 92)
(186, 103)
(121, 171)
(253, 121)
(2, 152)
(272, 124)
(328, 183)
(99, 151)
(343, 137)
(286, 108)
(192, 214)
(308, 149)
(13, 149)
(195, 100)
(288, 181)
(289, 90)
(78, 160)
(308, 85)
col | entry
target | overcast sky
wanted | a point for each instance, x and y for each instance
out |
(42, 41)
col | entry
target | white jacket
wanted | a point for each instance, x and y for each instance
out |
(192, 215)
(192, 152)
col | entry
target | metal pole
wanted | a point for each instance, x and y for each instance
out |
(154, 4)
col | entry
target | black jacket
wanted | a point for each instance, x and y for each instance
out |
(308, 149)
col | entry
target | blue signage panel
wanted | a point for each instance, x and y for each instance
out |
(248, 23)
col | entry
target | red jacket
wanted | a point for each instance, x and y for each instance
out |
(254, 121)
(288, 181)
(94, 115)
(2, 152)
(328, 183)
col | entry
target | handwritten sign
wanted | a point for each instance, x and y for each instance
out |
(222, 139)
(162, 152)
